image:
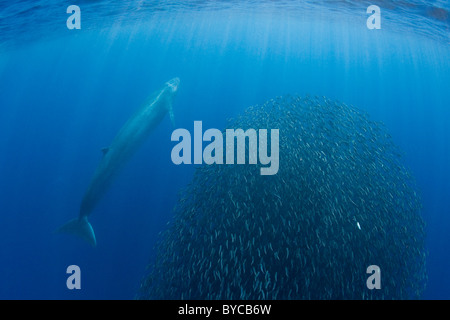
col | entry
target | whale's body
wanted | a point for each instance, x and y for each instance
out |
(125, 144)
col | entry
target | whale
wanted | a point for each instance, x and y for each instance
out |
(127, 141)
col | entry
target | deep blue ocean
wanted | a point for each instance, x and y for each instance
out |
(64, 94)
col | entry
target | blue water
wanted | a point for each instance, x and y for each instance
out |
(66, 93)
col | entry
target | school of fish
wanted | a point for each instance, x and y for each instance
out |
(341, 201)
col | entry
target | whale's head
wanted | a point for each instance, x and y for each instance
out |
(173, 84)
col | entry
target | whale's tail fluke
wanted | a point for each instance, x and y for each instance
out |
(80, 227)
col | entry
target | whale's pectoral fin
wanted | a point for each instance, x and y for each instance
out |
(80, 227)
(105, 150)
(171, 115)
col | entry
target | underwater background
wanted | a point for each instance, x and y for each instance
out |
(64, 94)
